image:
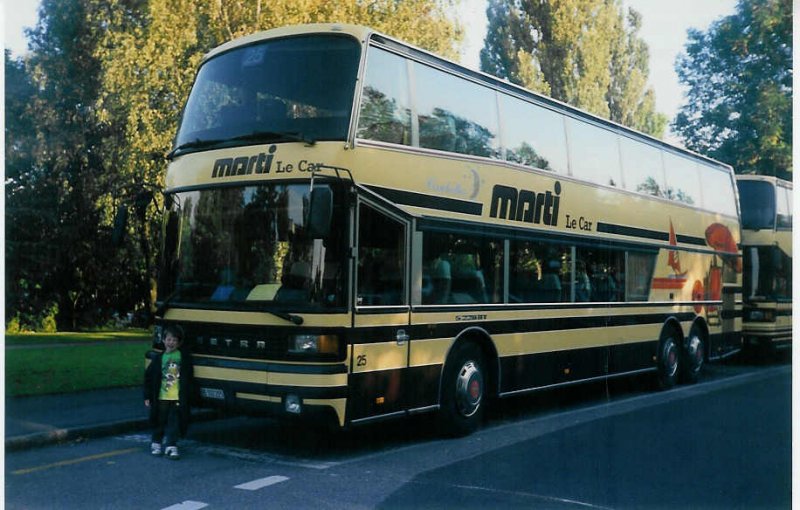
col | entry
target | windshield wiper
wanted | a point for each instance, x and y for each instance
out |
(255, 136)
(268, 136)
(294, 319)
(196, 144)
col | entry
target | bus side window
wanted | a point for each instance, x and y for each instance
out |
(537, 273)
(461, 270)
(639, 273)
(604, 270)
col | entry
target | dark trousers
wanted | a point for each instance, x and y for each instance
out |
(167, 428)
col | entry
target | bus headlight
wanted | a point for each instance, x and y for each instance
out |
(314, 344)
(757, 315)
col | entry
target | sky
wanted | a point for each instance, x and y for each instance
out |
(664, 26)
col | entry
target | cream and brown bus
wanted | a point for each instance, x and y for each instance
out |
(766, 208)
(358, 228)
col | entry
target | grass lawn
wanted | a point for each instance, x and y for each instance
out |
(70, 338)
(117, 361)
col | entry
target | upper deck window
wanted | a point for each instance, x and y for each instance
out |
(718, 193)
(643, 167)
(683, 179)
(757, 199)
(275, 90)
(533, 136)
(594, 154)
(385, 104)
(455, 115)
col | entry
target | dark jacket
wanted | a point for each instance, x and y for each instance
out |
(152, 387)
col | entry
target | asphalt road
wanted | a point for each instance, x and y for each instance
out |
(722, 443)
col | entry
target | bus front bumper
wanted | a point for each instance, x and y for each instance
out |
(275, 389)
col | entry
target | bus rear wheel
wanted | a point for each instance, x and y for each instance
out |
(463, 391)
(668, 359)
(693, 357)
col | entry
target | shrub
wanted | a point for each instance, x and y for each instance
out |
(13, 326)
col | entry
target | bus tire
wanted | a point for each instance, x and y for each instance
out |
(463, 393)
(668, 359)
(693, 356)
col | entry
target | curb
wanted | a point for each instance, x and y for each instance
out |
(56, 436)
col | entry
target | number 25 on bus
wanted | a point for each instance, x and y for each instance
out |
(358, 229)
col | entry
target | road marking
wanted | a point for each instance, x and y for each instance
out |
(75, 461)
(187, 505)
(551, 499)
(240, 453)
(261, 483)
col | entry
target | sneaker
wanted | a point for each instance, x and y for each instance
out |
(172, 453)
(155, 448)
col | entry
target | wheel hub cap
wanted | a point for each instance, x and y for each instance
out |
(469, 389)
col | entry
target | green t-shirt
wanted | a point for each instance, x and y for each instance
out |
(170, 375)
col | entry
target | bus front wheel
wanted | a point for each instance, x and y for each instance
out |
(463, 391)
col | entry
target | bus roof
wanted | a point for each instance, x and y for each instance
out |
(364, 34)
(359, 32)
(765, 178)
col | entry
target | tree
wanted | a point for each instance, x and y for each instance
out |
(30, 211)
(57, 248)
(582, 52)
(739, 78)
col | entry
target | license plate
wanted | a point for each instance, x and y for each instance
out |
(214, 393)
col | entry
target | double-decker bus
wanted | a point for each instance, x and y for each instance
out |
(766, 209)
(360, 229)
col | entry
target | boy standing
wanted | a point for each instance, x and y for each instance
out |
(167, 390)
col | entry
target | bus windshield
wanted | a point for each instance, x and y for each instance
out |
(292, 89)
(249, 248)
(757, 199)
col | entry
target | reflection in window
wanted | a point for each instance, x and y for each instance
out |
(683, 179)
(239, 92)
(642, 166)
(539, 273)
(461, 269)
(533, 136)
(784, 206)
(385, 104)
(599, 275)
(240, 245)
(381, 259)
(718, 193)
(594, 153)
(767, 273)
(455, 115)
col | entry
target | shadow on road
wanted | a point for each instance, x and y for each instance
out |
(298, 440)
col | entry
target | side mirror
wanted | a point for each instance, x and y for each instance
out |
(120, 225)
(320, 212)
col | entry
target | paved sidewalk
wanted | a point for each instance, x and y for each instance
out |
(34, 421)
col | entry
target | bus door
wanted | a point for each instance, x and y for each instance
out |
(723, 286)
(380, 339)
